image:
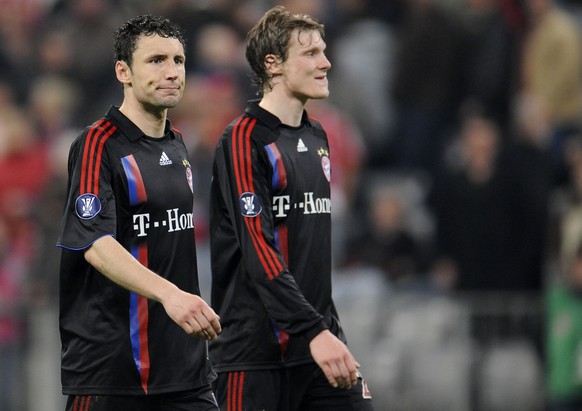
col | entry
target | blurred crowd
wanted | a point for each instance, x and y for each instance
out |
(455, 130)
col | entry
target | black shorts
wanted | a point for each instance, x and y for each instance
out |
(200, 399)
(310, 391)
(251, 390)
(300, 388)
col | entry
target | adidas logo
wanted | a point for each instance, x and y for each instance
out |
(301, 147)
(165, 160)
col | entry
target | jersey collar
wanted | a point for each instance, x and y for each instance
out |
(132, 131)
(269, 119)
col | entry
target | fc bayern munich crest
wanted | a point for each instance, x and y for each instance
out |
(189, 178)
(326, 165)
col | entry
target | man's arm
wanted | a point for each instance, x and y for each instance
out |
(187, 310)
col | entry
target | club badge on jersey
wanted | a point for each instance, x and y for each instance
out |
(87, 206)
(325, 163)
(189, 177)
(250, 206)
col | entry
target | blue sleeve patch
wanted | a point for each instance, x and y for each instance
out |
(87, 206)
(250, 206)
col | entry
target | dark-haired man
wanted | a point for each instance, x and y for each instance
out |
(133, 326)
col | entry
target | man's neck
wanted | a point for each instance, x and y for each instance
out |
(153, 124)
(289, 111)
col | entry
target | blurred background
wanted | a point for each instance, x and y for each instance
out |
(455, 129)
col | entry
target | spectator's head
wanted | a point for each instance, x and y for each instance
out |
(536, 9)
(52, 101)
(479, 142)
(54, 51)
(90, 11)
(532, 120)
(16, 132)
(219, 46)
(387, 210)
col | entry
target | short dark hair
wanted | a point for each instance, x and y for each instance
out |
(126, 36)
(271, 35)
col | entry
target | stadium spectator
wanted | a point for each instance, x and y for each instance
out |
(551, 66)
(385, 241)
(425, 86)
(468, 200)
(489, 59)
(23, 175)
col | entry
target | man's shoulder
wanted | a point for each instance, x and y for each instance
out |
(317, 128)
(248, 127)
(101, 129)
(96, 138)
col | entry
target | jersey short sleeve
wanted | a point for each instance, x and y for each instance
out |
(90, 207)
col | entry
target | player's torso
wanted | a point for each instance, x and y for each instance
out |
(301, 175)
(153, 187)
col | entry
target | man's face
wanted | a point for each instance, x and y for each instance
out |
(157, 74)
(304, 72)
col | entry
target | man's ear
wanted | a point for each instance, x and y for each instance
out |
(122, 72)
(272, 64)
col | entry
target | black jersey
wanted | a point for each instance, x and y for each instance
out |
(270, 242)
(139, 190)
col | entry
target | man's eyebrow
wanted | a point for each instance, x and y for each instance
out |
(162, 56)
(316, 47)
(157, 56)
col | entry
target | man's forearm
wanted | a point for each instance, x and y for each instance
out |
(116, 263)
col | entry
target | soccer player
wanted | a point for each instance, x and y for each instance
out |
(133, 326)
(282, 344)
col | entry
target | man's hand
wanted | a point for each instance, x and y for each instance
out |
(193, 314)
(334, 358)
